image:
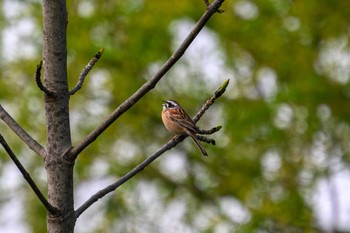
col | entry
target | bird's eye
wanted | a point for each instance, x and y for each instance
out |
(170, 104)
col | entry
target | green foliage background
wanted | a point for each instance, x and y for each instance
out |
(278, 139)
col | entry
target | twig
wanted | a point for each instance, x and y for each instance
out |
(172, 143)
(27, 177)
(85, 72)
(209, 131)
(38, 79)
(149, 85)
(211, 101)
(21, 133)
(206, 2)
(206, 140)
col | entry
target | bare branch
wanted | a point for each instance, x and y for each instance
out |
(172, 143)
(149, 85)
(85, 72)
(38, 79)
(211, 101)
(209, 131)
(206, 140)
(126, 177)
(21, 133)
(27, 177)
(206, 2)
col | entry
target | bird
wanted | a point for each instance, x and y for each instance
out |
(177, 121)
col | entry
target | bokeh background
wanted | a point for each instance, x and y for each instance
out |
(281, 163)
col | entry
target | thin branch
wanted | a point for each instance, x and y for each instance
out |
(211, 101)
(27, 177)
(205, 107)
(172, 143)
(206, 2)
(149, 85)
(38, 79)
(206, 140)
(126, 177)
(21, 133)
(209, 131)
(85, 72)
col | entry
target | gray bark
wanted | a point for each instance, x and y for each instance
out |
(59, 170)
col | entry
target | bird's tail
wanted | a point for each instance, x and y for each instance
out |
(193, 136)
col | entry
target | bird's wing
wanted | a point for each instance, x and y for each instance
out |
(184, 120)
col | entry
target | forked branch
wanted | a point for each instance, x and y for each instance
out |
(149, 85)
(172, 143)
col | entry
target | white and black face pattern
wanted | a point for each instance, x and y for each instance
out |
(169, 104)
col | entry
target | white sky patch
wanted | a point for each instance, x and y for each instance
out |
(283, 116)
(100, 84)
(271, 163)
(172, 219)
(125, 152)
(334, 59)
(15, 42)
(246, 10)
(206, 213)
(323, 112)
(223, 228)
(84, 190)
(267, 83)
(13, 8)
(146, 193)
(331, 201)
(291, 23)
(19, 33)
(11, 214)
(86, 9)
(234, 210)
(11, 178)
(318, 153)
(204, 58)
(100, 167)
(174, 167)
(94, 215)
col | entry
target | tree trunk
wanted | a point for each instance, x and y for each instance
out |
(59, 170)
